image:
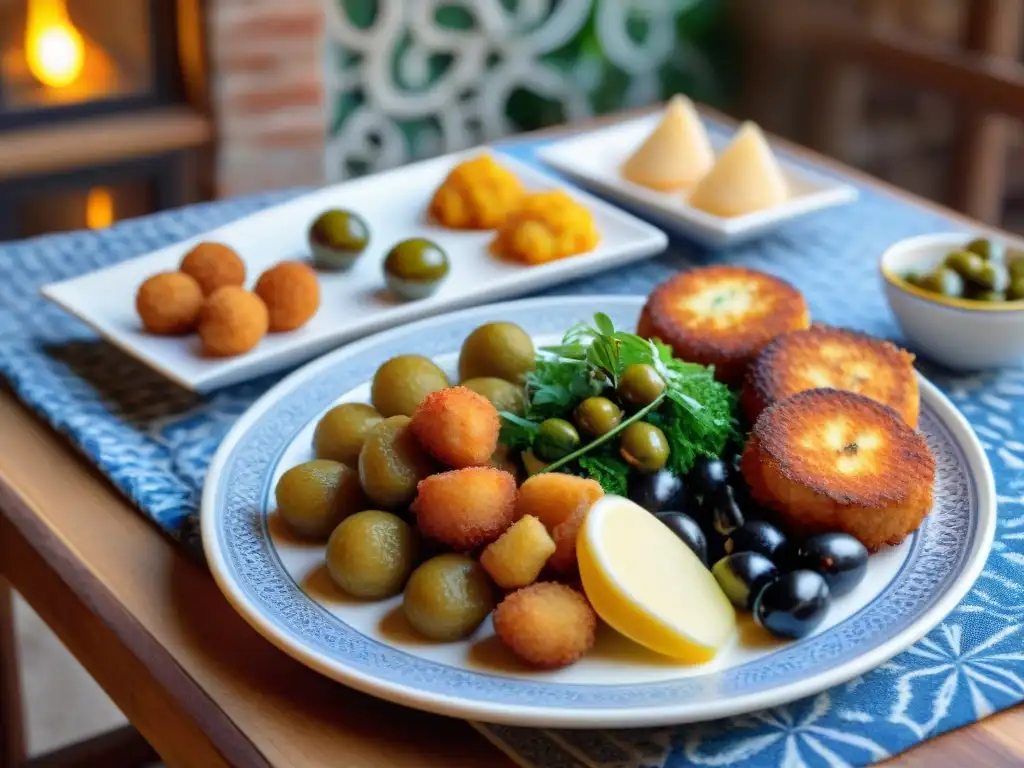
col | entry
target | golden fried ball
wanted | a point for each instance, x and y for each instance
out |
(213, 265)
(457, 426)
(548, 625)
(291, 292)
(232, 321)
(169, 303)
(553, 497)
(465, 508)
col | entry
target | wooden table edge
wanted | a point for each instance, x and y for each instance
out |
(226, 738)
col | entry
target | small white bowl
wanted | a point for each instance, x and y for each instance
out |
(961, 334)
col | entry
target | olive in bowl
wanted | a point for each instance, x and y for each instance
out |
(337, 238)
(981, 328)
(415, 268)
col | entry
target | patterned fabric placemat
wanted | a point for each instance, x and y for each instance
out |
(154, 441)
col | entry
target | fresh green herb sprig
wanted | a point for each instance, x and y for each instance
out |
(695, 411)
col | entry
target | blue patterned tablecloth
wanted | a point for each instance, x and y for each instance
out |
(154, 441)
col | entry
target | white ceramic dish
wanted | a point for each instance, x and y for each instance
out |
(281, 587)
(353, 303)
(594, 159)
(962, 335)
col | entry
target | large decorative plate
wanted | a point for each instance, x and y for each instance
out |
(280, 586)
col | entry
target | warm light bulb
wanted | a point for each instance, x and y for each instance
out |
(53, 47)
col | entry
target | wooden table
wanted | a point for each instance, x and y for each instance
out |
(201, 686)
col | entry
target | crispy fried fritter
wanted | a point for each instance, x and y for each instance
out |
(832, 357)
(214, 265)
(553, 497)
(465, 508)
(169, 303)
(457, 426)
(544, 227)
(828, 460)
(563, 561)
(232, 321)
(291, 292)
(722, 316)
(478, 193)
(516, 559)
(547, 625)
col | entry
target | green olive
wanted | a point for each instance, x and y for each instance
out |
(965, 263)
(371, 554)
(401, 383)
(1016, 290)
(448, 597)
(392, 463)
(502, 350)
(415, 268)
(1015, 264)
(980, 294)
(504, 395)
(992, 276)
(990, 250)
(313, 497)
(640, 385)
(341, 431)
(555, 438)
(337, 238)
(644, 446)
(597, 415)
(943, 281)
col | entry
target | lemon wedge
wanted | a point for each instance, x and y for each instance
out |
(648, 585)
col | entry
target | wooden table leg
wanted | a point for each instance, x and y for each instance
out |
(12, 724)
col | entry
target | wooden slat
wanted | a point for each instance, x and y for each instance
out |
(122, 748)
(76, 144)
(978, 181)
(12, 721)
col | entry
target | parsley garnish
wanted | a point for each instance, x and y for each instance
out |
(695, 411)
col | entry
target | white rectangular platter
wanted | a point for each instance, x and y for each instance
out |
(594, 158)
(354, 303)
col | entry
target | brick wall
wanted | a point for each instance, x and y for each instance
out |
(267, 72)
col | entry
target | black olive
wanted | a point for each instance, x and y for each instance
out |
(840, 558)
(793, 605)
(686, 528)
(658, 491)
(743, 575)
(708, 475)
(757, 536)
(726, 515)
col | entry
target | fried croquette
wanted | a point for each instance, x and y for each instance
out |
(213, 265)
(553, 497)
(169, 303)
(563, 560)
(722, 316)
(832, 357)
(516, 559)
(548, 625)
(457, 427)
(827, 460)
(465, 508)
(478, 193)
(232, 321)
(291, 292)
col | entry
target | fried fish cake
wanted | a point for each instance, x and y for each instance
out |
(828, 460)
(832, 357)
(722, 316)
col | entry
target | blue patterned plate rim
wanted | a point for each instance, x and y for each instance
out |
(944, 560)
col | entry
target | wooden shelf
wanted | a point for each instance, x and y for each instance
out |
(96, 141)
